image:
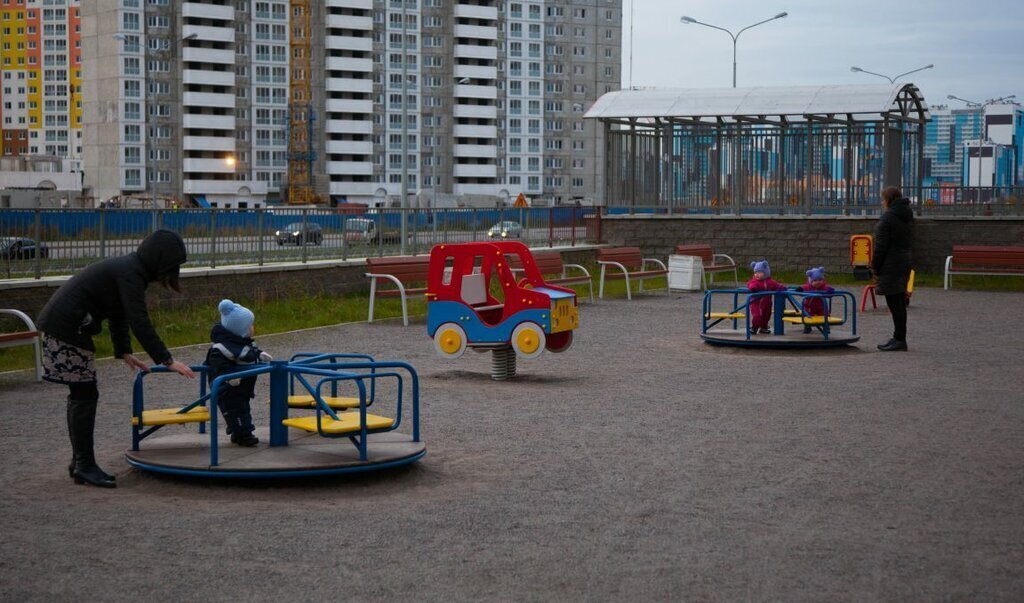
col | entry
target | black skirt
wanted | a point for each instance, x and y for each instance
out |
(66, 364)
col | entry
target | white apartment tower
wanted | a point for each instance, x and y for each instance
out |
(450, 101)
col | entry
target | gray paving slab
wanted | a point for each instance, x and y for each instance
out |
(642, 464)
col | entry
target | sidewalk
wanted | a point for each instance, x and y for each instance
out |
(640, 465)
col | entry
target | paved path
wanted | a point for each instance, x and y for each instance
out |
(640, 465)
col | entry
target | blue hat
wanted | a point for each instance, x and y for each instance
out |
(816, 274)
(761, 266)
(235, 318)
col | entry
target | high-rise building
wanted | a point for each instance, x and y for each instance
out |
(40, 79)
(993, 132)
(444, 100)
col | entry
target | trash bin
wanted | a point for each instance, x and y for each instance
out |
(685, 273)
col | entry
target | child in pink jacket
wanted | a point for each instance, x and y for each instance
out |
(815, 306)
(761, 307)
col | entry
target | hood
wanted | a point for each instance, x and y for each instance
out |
(900, 208)
(162, 253)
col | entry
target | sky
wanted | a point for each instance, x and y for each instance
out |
(977, 46)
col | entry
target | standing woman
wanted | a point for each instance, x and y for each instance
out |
(114, 290)
(891, 262)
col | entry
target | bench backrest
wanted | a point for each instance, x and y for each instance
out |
(408, 269)
(629, 257)
(701, 250)
(548, 262)
(981, 255)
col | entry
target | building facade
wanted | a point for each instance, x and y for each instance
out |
(444, 101)
(40, 79)
(979, 145)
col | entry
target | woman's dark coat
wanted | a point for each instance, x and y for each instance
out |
(894, 243)
(115, 290)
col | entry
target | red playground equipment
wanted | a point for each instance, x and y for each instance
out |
(474, 300)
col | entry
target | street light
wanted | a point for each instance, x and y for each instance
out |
(687, 20)
(892, 80)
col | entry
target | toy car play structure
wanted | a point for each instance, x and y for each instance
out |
(474, 300)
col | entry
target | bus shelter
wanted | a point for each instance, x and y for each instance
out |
(803, 149)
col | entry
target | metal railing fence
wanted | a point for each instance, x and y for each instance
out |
(65, 240)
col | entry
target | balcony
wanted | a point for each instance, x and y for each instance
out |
(208, 99)
(349, 105)
(349, 22)
(208, 122)
(345, 84)
(472, 11)
(476, 111)
(466, 131)
(350, 64)
(350, 168)
(476, 150)
(209, 143)
(208, 78)
(471, 91)
(211, 34)
(219, 12)
(476, 171)
(349, 43)
(349, 126)
(476, 31)
(476, 71)
(208, 55)
(207, 166)
(359, 4)
(466, 51)
(349, 147)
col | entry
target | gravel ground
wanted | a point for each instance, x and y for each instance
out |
(642, 464)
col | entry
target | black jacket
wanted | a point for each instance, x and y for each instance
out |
(115, 289)
(230, 354)
(894, 243)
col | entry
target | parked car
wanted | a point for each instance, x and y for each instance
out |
(505, 230)
(364, 231)
(18, 248)
(294, 233)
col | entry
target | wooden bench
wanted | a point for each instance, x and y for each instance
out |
(712, 262)
(550, 262)
(402, 271)
(30, 336)
(631, 265)
(984, 260)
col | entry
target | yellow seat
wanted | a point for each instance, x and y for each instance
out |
(335, 402)
(348, 423)
(171, 416)
(812, 320)
(792, 313)
(725, 315)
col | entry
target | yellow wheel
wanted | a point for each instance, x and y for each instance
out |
(528, 340)
(450, 341)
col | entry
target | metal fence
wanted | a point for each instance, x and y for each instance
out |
(38, 242)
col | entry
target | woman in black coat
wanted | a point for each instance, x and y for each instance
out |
(113, 290)
(891, 262)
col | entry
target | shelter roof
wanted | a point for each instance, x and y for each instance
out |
(771, 105)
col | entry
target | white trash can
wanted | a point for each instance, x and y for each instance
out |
(685, 273)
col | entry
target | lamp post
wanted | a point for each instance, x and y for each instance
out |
(405, 130)
(892, 80)
(687, 20)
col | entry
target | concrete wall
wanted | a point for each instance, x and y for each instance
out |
(798, 243)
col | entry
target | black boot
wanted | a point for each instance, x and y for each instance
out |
(243, 431)
(81, 423)
(71, 465)
(893, 345)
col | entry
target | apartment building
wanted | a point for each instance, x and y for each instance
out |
(979, 145)
(444, 101)
(40, 79)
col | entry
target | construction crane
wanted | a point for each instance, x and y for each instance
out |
(301, 147)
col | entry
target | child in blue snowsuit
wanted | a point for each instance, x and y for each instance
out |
(233, 350)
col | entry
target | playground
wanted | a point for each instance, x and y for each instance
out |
(643, 464)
